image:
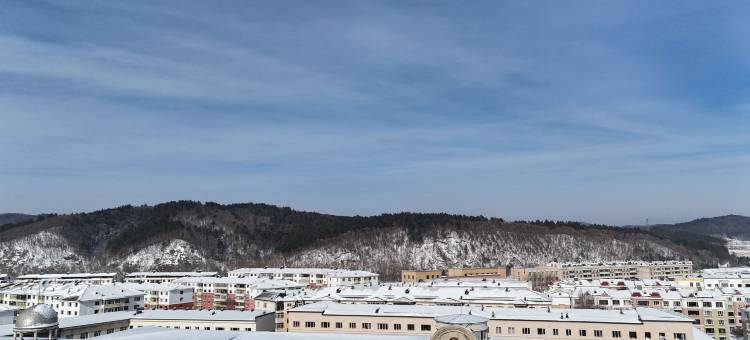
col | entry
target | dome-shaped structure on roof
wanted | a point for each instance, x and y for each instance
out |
(461, 327)
(38, 320)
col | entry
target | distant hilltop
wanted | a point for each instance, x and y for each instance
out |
(182, 235)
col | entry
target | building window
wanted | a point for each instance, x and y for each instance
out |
(568, 332)
(309, 324)
(616, 334)
(719, 305)
(680, 336)
(582, 332)
(366, 325)
(707, 304)
(410, 327)
(426, 327)
(235, 329)
(383, 326)
(325, 324)
(295, 324)
(499, 330)
(352, 325)
(526, 330)
(647, 335)
(397, 326)
(540, 331)
(633, 335)
(598, 333)
(339, 325)
(248, 329)
(555, 331)
(511, 330)
(219, 328)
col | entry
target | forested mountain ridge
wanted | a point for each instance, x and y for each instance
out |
(730, 226)
(194, 235)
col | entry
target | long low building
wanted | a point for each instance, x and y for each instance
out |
(232, 292)
(164, 277)
(530, 323)
(73, 299)
(90, 278)
(88, 326)
(153, 333)
(163, 295)
(312, 277)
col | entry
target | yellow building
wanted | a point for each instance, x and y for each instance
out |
(500, 272)
(420, 275)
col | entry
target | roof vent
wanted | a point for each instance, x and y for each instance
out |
(377, 310)
(566, 316)
(466, 292)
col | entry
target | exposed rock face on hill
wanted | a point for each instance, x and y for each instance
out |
(192, 235)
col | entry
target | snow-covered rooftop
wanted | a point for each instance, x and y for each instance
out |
(208, 315)
(258, 283)
(635, 316)
(457, 294)
(73, 291)
(312, 271)
(160, 287)
(157, 333)
(66, 276)
(169, 274)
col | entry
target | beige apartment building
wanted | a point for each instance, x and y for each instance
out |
(420, 275)
(425, 275)
(497, 272)
(624, 270)
(715, 312)
(530, 323)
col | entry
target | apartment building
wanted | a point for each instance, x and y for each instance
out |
(205, 322)
(518, 323)
(89, 278)
(232, 292)
(312, 277)
(71, 299)
(496, 272)
(623, 270)
(716, 312)
(164, 277)
(163, 295)
(420, 275)
(408, 276)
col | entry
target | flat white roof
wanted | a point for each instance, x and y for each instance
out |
(315, 271)
(169, 274)
(207, 315)
(259, 283)
(536, 314)
(427, 293)
(73, 291)
(157, 333)
(162, 287)
(65, 276)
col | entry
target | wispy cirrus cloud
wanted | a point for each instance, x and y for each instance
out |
(520, 110)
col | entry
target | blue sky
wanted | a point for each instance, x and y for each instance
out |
(601, 111)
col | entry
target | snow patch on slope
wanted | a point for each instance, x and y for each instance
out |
(42, 251)
(175, 252)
